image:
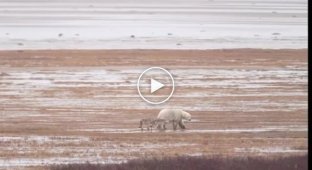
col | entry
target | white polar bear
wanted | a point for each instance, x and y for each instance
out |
(176, 116)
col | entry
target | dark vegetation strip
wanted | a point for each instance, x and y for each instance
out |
(199, 163)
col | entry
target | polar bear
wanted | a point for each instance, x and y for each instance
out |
(176, 116)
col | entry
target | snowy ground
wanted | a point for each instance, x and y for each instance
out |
(149, 24)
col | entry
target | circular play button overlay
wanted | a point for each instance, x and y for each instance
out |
(155, 85)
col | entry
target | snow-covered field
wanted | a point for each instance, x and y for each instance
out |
(150, 24)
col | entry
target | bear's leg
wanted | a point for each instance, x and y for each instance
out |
(174, 125)
(182, 126)
(164, 125)
(158, 126)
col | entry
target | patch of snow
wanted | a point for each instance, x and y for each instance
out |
(24, 162)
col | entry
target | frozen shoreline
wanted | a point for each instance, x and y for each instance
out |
(79, 24)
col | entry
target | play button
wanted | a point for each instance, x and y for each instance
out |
(155, 85)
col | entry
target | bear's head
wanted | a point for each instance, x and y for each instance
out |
(186, 115)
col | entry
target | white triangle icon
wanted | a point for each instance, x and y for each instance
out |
(155, 85)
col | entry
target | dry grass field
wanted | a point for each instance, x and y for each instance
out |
(76, 106)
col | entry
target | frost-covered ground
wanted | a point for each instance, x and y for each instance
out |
(60, 107)
(35, 82)
(150, 24)
(68, 150)
(270, 150)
